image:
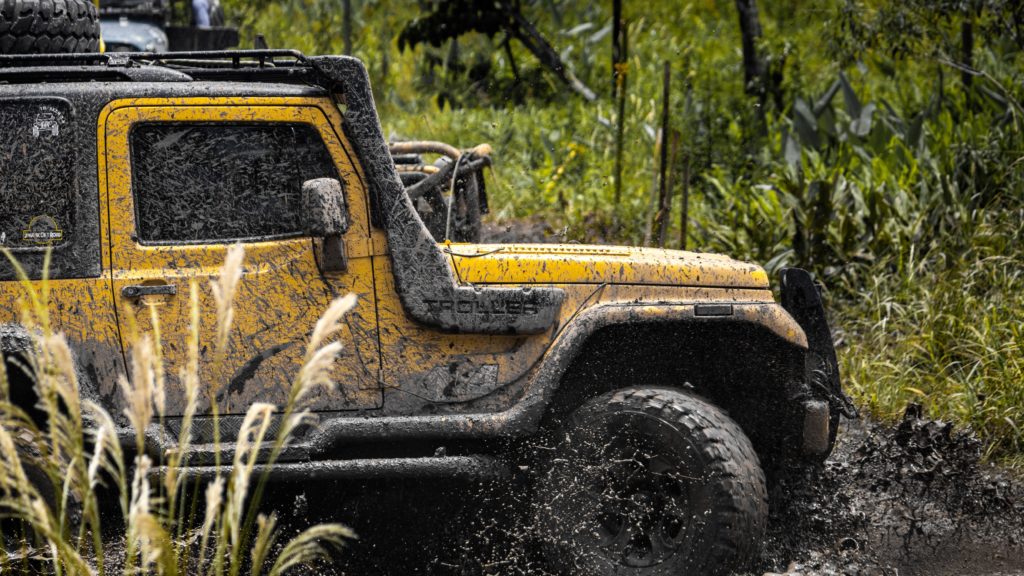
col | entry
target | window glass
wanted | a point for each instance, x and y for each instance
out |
(37, 173)
(197, 183)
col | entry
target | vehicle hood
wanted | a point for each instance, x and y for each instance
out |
(584, 264)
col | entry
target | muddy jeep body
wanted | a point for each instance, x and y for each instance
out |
(453, 345)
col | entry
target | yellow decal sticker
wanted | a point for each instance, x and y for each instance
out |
(42, 230)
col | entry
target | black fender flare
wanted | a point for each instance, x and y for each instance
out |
(801, 297)
(571, 340)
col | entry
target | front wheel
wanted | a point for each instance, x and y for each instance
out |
(651, 482)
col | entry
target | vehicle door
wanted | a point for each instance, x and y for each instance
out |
(184, 183)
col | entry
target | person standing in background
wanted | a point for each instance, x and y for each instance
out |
(201, 13)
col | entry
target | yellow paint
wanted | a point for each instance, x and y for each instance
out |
(573, 263)
(409, 350)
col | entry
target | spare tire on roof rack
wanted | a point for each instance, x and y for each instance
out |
(48, 26)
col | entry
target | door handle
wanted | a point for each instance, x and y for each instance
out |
(141, 290)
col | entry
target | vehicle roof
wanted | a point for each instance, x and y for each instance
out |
(172, 74)
(90, 81)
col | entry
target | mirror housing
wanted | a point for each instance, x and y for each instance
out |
(325, 216)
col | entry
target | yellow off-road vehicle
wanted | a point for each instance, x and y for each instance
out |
(650, 388)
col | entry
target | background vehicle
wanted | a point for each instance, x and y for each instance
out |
(161, 25)
(63, 26)
(457, 353)
(58, 26)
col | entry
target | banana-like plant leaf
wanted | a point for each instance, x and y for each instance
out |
(821, 104)
(791, 150)
(861, 125)
(853, 105)
(599, 35)
(806, 124)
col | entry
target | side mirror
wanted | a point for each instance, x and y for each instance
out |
(325, 216)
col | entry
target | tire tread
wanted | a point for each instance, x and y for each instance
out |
(740, 496)
(48, 26)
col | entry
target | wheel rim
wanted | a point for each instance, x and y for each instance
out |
(639, 507)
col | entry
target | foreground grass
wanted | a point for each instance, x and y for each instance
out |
(51, 468)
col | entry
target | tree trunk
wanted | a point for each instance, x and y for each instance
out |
(754, 69)
(511, 57)
(346, 25)
(531, 38)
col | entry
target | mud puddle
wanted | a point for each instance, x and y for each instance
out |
(910, 499)
(902, 500)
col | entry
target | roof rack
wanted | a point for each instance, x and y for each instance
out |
(284, 66)
(232, 59)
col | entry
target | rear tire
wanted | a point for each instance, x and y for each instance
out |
(652, 482)
(48, 26)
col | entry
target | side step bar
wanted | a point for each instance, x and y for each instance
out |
(450, 467)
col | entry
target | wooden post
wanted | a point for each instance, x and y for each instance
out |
(676, 137)
(661, 217)
(684, 215)
(620, 119)
(967, 58)
(617, 56)
(346, 25)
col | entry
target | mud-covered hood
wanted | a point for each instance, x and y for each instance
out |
(577, 263)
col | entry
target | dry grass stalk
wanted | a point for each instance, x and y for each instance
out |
(157, 530)
(138, 392)
(224, 289)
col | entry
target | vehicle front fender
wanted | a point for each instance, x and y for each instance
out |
(769, 316)
(526, 410)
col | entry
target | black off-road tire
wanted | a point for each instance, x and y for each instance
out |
(650, 482)
(48, 26)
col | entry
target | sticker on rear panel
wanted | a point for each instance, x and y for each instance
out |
(47, 122)
(42, 230)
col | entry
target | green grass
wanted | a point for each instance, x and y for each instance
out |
(946, 331)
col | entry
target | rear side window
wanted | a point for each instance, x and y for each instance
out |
(38, 182)
(215, 183)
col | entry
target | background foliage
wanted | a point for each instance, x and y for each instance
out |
(888, 158)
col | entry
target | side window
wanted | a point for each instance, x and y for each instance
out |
(219, 182)
(38, 169)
